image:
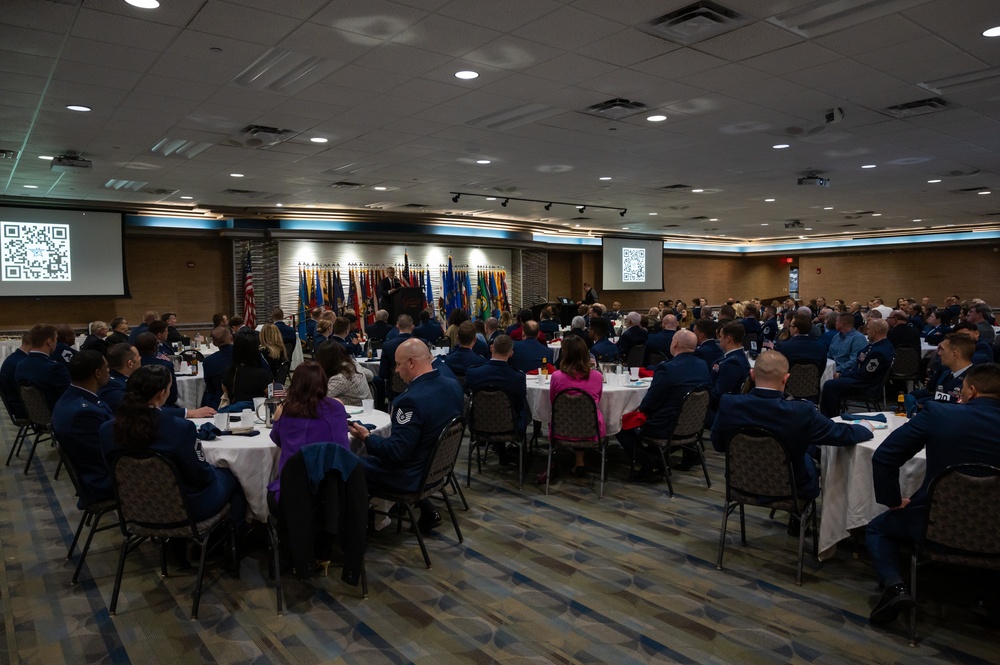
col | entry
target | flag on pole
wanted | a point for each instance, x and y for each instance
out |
(468, 293)
(303, 301)
(318, 291)
(249, 310)
(406, 270)
(428, 293)
(484, 297)
(351, 295)
(503, 289)
(338, 293)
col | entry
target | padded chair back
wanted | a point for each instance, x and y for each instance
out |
(657, 357)
(758, 465)
(12, 411)
(491, 414)
(36, 406)
(375, 345)
(191, 354)
(574, 419)
(691, 420)
(443, 342)
(751, 344)
(396, 384)
(803, 380)
(906, 363)
(371, 388)
(150, 498)
(634, 357)
(443, 458)
(281, 376)
(956, 519)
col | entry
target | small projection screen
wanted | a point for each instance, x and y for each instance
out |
(61, 253)
(632, 264)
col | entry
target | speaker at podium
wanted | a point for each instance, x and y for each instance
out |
(407, 300)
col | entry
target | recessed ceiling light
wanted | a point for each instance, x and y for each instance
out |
(802, 237)
(319, 139)
(656, 118)
(763, 224)
(483, 161)
(653, 214)
(697, 191)
(769, 200)
(983, 192)
(918, 220)
(713, 219)
(187, 198)
(876, 214)
(933, 181)
(780, 146)
(380, 188)
(576, 225)
(869, 166)
(235, 175)
(828, 208)
(278, 205)
(31, 186)
(605, 177)
(992, 32)
(624, 228)
(78, 107)
(809, 228)
(466, 75)
(46, 157)
(491, 198)
(143, 4)
(722, 235)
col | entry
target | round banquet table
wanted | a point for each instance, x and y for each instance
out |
(616, 400)
(190, 390)
(254, 459)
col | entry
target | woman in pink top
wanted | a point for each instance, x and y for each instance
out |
(575, 372)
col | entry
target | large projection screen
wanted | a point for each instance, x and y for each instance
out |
(632, 264)
(61, 253)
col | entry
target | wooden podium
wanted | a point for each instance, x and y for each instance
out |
(407, 300)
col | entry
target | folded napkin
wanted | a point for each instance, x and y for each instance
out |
(878, 417)
(633, 419)
(208, 432)
(645, 373)
(532, 372)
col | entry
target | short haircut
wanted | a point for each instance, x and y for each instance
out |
(802, 324)
(983, 309)
(40, 334)
(727, 312)
(66, 334)
(404, 322)
(117, 321)
(963, 344)
(221, 335)
(83, 364)
(157, 327)
(706, 327)
(985, 378)
(502, 345)
(466, 333)
(771, 366)
(600, 327)
(846, 319)
(424, 316)
(878, 325)
(277, 314)
(633, 318)
(166, 315)
(150, 316)
(118, 355)
(734, 330)
(146, 343)
(341, 327)
(97, 325)
(236, 321)
(578, 322)
(381, 315)
(530, 330)
(965, 325)
(598, 310)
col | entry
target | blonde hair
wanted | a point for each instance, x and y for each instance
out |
(270, 338)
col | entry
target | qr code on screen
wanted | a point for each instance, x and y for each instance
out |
(33, 252)
(633, 264)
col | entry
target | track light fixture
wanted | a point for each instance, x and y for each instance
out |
(581, 207)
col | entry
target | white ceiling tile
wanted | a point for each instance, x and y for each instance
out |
(20, 83)
(103, 54)
(47, 16)
(792, 58)
(124, 30)
(628, 47)
(570, 69)
(251, 25)
(31, 42)
(215, 49)
(747, 42)
(634, 11)
(79, 72)
(246, 99)
(365, 78)
(302, 9)
(505, 16)
(310, 109)
(568, 28)
(512, 53)
(201, 71)
(679, 63)
(522, 86)
(170, 87)
(325, 42)
(400, 59)
(446, 36)
(175, 12)
(872, 35)
(370, 19)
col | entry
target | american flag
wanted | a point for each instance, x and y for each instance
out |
(249, 311)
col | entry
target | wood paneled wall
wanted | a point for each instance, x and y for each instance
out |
(159, 279)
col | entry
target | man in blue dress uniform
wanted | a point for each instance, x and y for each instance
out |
(38, 369)
(866, 378)
(462, 358)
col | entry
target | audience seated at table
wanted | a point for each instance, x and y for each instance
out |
(633, 335)
(462, 356)
(662, 403)
(427, 328)
(901, 333)
(246, 378)
(731, 372)
(381, 327)
(497, 373)
(387, 361)
(660, 341)
(457, 317)
(65, 341)
(288, 334)
(39, 369)
(97, 339)
(847, 344)
(603, 350)
(983, 352)
(123, 360)
(147, 318)
(868, 374)
(935, 330)
(549, 323)
(324, 330)
(8, 382)
(147, 345)
(529, 352)
(936, 429)
(578, 327)
(346, 379)
(708, 349)
(575, 373)
(800, 346)
(215, 366)
(119, 331)
(272, 347)
(139, 423)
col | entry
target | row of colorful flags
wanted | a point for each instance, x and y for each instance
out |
(490, 296)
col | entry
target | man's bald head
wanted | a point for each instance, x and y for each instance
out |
(222, 335)
(770, 370)
(684, 341)
(669, 322)
(876, 329)
(413, 359)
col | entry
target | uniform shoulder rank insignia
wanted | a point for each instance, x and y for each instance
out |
(715, 367)
(872, 365)
(403, 418)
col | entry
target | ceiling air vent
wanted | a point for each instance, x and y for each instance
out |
(671, 226)
(696, 22)
(252, 194)
(414, 205)
(134, 185)
(919, 107)
(676, 188)
(616, 109)
(8, 154)
(168, 147)
(347, 183)
(822, 17)
(699, 218)
(159, 191)
(258, 137)
(971, 190)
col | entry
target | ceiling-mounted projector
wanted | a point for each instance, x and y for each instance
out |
(814, 180)
(65, 163)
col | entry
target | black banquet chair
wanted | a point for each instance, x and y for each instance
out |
(804, 381)
(437, 476)
(93, 511)
(575, 425)
(152, 504)
(688, 435)
(759, 473)
(40, 418)
(492, 421)
(958, 530)
(22, 424)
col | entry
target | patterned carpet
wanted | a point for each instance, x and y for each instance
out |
(564, 578)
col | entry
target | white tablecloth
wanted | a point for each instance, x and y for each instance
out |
(848, 492)
(927, 350)
(616, 400)
(254, 459)
(190, 390)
